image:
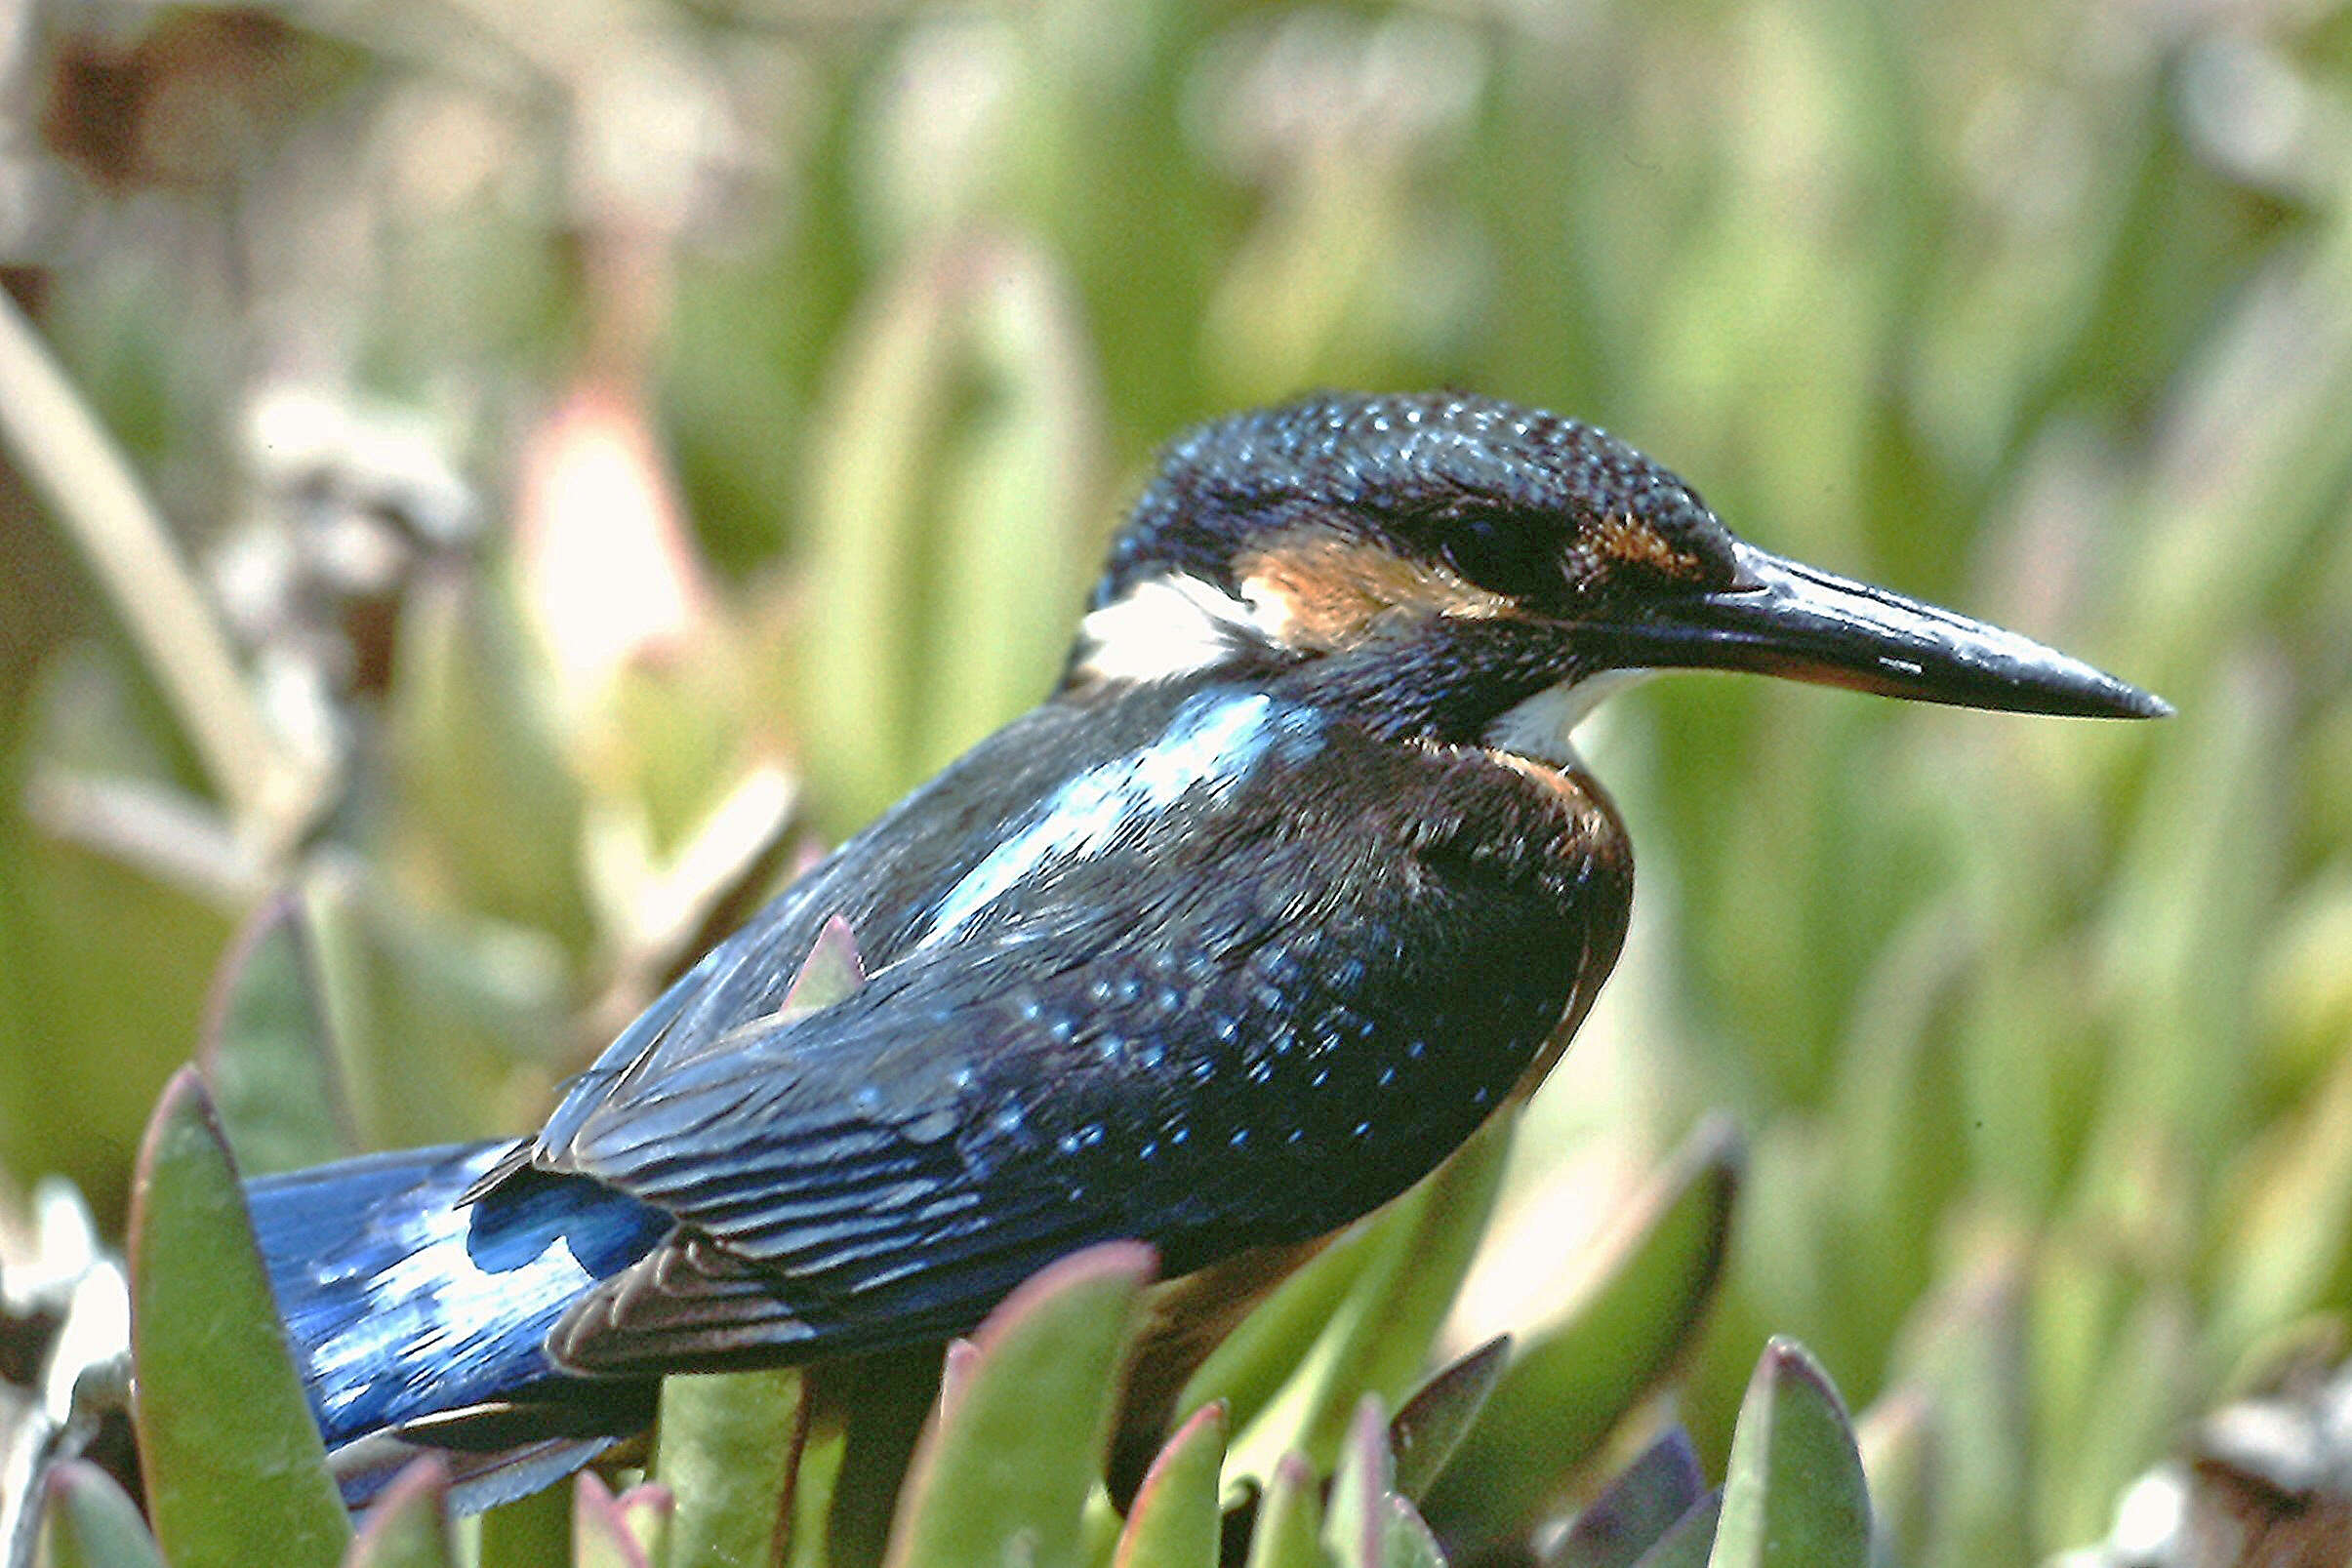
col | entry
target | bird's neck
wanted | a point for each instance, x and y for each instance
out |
(1508, 684)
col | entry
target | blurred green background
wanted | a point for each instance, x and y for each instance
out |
(613, 447)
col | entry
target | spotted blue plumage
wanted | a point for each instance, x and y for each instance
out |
(402, 1302)
(1210, 748)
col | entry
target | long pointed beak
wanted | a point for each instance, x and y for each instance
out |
(1786, 619)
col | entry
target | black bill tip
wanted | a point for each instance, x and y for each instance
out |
(1786, 619)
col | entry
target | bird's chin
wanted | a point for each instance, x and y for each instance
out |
(1542, 728)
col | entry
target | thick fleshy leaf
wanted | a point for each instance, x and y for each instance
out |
(1004, 1482)
(1793, 1493)
(235, 1472)
(728, 1445)
(529, 1531)
(646, 1511)
(92, 1523)
(1433, 1423)
(1692, 1538)
(1289, 1533)
(1406, 1541)
(269, 1053)
(955, 1373)
(1174, 1520)
(408, 1525)
(601, 1537)
(1574, 1383)
(1248, 1369)
(1900, 1460)
(875, 440)
(1380, 1337)
(1356, 1525)
(1017, 498)
(481, 774)
(1637, 1509)
(832, 971)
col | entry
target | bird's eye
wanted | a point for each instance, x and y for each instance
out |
(1504, 553)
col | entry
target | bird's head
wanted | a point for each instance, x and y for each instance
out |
(1468, 569)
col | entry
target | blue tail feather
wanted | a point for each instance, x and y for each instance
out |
(401, 1303)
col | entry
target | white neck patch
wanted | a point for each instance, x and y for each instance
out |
(1539, 728)
(1165, 628)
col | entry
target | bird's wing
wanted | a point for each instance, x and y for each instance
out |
(884, 1170)
(1207, 1030)
(884, 882)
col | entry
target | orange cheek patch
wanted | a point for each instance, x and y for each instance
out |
(1630, 541)
(1316, 591)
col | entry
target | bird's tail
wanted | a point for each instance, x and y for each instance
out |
(417, 1319)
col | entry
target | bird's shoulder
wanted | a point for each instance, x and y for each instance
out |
(1093, 841)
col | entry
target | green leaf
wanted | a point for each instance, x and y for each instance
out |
(1355, 1526)
(832, 971)
(235, 1472)
(1574, 1383)
(954, 1372)
(92, 1523)
(1003, 1483)
(1692, 1538)
(1637, 1508)
(1380, 1337)
(1248, 1369)
(1901, 1451)
(1017, 482)
(645, 1512)
(268, 1053)
(729, 1446)
(482, 787)
(874, 439)
(1369, 1525)
(601, 1533)
(1441, 1413)
(408, 1525)
(1174, 1520)
(530, 1532)
(1792, 1495)
(1289, 1533)
(1406, 1541)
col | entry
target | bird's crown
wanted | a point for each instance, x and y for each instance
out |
(1482, 502)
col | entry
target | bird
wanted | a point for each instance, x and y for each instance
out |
(1293, 881)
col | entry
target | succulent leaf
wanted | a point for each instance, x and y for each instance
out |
(832, 971)
(728, 1446)
(1440, 1414)
(1638, 1508)
(1794, 1494)
(1174, 1520)
(268, 1053)
(1290, 1520)
(529, 1531)
(1379, 1338)
(1006, 1480)
(408, 1525)
(1692, 1538)
(1356, 1522)
(1571, 1385)
(235, 1471)
(92, 1523)
(602, 1536)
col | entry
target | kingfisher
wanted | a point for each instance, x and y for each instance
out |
(1293, 881)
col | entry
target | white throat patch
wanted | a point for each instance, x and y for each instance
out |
(1165, 628)
(1539, 728)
